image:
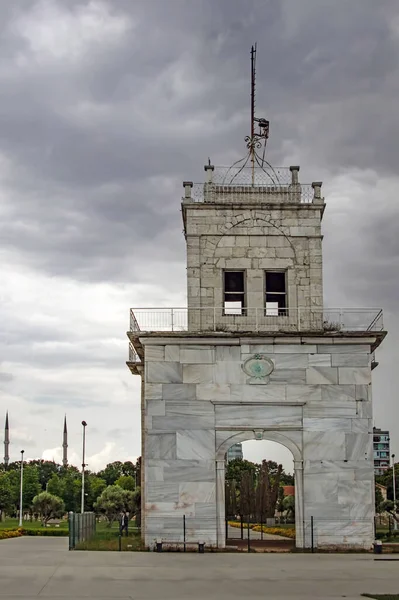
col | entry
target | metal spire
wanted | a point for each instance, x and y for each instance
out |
(65, 445)
(253, 84)
(257, 140)
(6, 442)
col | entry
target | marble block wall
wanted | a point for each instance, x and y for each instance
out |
(197, 401)
(254, 239)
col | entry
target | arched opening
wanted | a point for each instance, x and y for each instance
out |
(259, 488)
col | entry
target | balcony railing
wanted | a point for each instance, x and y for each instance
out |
(226, 185)
(292, 194)
(216, 319)
(133, 356)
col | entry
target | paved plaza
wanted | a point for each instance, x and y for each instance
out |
(34, 567)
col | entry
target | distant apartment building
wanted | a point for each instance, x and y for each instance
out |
(234, 452)
(381, 450)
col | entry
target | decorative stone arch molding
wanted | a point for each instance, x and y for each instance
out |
(259, 434)
(254, 219)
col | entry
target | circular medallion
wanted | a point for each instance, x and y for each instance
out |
(258, 367)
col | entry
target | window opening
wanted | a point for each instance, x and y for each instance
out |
(234, 293)
(276, 294)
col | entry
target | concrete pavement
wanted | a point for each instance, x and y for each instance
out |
(43, 568)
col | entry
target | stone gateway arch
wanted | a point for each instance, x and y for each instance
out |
(255, 355)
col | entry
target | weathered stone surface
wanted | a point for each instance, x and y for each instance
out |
(197, 400)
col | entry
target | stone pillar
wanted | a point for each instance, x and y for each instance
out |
(294, 188)
(209, 171)
(187, 190)
(294, 175)
(316, 185)
(220, 505)
(299, 500)
(209, 186)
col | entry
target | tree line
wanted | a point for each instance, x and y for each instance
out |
(388, 505)
(114, 488)
(255, 491)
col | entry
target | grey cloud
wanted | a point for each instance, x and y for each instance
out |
(93, 172)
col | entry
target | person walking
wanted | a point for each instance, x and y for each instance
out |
(124, 523)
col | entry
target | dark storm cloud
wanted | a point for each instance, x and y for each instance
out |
(106, 140)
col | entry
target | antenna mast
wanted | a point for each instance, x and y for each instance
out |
(256, 139)
(253, 83)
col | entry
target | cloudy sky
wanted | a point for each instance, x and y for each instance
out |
(105, 108)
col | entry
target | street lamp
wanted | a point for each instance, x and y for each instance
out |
(83, 467)
(21, 487)
(395, 524)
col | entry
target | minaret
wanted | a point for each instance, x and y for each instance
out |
(6, 442)
(65, 445)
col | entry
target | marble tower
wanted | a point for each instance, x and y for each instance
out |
(255, 355)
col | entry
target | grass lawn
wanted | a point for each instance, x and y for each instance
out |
(107, 538)
(14, 524)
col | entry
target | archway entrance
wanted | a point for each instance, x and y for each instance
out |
(260, 496)
(245, 504)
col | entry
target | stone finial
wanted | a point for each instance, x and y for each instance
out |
(187, 189)
(209, 170)
(294, 174)
(316, 185)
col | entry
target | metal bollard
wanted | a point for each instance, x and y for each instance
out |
(377, 547)
(120, 542)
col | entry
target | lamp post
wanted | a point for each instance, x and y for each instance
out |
(395, 524)
(83, 467)
(21, 487)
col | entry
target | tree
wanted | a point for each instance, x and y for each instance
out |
(280, 499)
(5, 494)
(45, 469)
(378, 500)
(114, 500)
(137, 499)
(56, 486)
(128, 469)
(48, 506)
(111, 503)
(126, 482)
(94, 486)
(289, 506)
(68, 486)
(267, 490)
(387, 480)
(247, 494)
(31, 485)
(390, 508)
(111, 473)
(237, 467)
(231, 498)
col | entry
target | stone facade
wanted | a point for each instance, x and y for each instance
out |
(197, 403)
(253, 233)
(309, 388)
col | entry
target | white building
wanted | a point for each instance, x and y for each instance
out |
(234, 452)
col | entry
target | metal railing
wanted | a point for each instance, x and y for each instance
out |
(133, 356)
(224, 193)
(266, 175)
(216, 319)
